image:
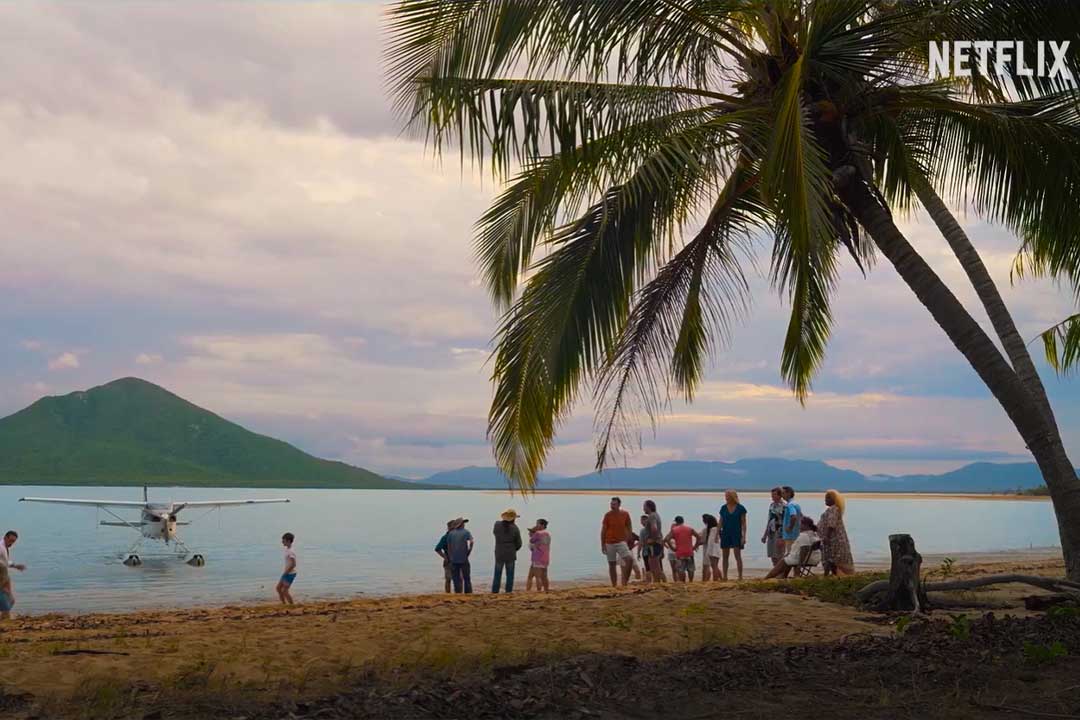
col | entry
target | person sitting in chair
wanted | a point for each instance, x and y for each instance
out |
(801, 552)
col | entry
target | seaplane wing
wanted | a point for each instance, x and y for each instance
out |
(226, 503)
(91, 503)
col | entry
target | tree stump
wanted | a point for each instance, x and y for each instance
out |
(905, 591)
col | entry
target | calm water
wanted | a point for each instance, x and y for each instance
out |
(380, 541)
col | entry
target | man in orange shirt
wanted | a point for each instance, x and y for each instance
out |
(614, 534)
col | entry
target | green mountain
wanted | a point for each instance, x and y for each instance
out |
(132, 432)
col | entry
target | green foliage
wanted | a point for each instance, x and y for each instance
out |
(1040, 491)
(1062, 344)
(837, 589)
(1067, 612)
(902, 624)
(131, 432)
(654, 137)
(946, 569)
(1040, 654)
(960, 627)
(619, 620)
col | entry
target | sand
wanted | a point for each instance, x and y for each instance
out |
(312, 649)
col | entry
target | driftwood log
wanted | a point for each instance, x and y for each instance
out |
(904, 590)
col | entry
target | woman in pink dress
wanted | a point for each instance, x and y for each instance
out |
(540, 548)
(835, 549)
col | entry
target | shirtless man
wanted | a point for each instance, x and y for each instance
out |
(284, 585)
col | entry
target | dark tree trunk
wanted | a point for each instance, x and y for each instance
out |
(969, 338)
(988, 294)
(905, 577)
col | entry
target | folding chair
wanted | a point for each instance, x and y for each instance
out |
(809, 558)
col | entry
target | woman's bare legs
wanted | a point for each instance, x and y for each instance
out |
(780, 569)
(715, 563)
(727, 554)
(738, 560)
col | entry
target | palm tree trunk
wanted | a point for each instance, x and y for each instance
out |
(984, 357)
(988, 295)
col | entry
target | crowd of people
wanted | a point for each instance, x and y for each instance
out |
(791, 540)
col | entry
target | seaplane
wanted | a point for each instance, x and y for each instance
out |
(158, 521)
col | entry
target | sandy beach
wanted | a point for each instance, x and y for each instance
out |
(312, 649)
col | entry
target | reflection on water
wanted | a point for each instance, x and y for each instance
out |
(381, 541)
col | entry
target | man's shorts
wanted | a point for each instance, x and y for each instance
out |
(686, 564)
(288, 578)
(618, 552)
(5, 602)
(446, 569)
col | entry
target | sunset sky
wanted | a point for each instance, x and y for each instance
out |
(218, 199)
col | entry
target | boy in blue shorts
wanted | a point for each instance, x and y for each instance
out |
(285, 583)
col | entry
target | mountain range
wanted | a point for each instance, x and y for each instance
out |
(763, 474)
(132, 432)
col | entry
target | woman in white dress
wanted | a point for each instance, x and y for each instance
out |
(710, 548)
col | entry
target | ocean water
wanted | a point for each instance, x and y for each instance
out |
(380, 542)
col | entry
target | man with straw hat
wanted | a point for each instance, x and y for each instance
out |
(457, 544)
(507, 543)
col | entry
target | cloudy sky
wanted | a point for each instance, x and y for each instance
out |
(217, 198)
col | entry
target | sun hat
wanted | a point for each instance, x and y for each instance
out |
(458, 522)
(510, 514)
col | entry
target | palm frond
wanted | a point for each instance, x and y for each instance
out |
(631, 40)
(518, 120)
(797, 186)
(573, 307)
(1027, 21)
(1062, 344)
(557, 186)
(1017, 163)
(678, 316)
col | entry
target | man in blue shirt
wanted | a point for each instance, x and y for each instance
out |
(456, 546)
(792, 518)
(440, 550)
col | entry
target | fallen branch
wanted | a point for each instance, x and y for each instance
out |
(1051, 584)
(88, 652)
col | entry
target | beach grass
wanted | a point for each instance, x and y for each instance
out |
(839, 590)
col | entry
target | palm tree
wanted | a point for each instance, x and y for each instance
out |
(655, 140)
(1058, 256)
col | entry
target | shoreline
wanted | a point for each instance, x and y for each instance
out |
(262, 653)
(1012, 556)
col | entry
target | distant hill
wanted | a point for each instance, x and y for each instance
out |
(132, 432)
(473, 477)
(763, 474)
